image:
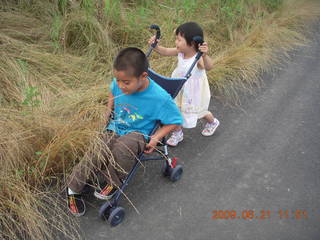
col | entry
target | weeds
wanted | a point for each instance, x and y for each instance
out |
(272, 5)
(31, 96)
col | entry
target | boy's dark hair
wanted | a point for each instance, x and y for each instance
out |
(189, 30)
(132, 59)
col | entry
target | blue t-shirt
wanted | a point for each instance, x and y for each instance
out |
(139, 112)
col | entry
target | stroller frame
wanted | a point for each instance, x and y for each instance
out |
(110, 211)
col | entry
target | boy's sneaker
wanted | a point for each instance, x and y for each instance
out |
(76, 204)
(210, 128)
(176, 137)
(106, 192)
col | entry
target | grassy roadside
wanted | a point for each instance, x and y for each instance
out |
(55, 66)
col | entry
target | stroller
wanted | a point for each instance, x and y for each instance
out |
(110, 211)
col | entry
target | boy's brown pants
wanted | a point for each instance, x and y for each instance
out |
(124, 149)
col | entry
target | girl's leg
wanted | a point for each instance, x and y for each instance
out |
(209, 117)
(176, 137)
(211, 125)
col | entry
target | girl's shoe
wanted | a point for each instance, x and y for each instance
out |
(176, 137)
(210, 128)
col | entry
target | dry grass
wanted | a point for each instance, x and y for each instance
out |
(55, 66)
(32, 214)
(265, 48)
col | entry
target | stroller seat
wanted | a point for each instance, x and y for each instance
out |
(171, 85)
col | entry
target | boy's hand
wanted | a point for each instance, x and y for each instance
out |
(204, 48)
(109, 107)
(151, 145)
(159, 134)
(107, 115)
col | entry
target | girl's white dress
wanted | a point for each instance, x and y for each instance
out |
(194, 98)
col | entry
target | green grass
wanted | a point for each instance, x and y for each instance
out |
(56, 64)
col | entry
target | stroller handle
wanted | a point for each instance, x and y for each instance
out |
(198, 40)
(158, 35)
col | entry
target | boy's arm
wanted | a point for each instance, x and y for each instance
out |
(205, 62)
(109, 106)
(158, 135)
(163, 50)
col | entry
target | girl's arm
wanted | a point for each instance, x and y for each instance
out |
(205, 61)
(166, 51)
(163, 50)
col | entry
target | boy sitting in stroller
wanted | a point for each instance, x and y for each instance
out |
(138, 103)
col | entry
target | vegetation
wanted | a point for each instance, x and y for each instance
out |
(55, 66)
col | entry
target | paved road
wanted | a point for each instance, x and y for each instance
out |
(264, 157)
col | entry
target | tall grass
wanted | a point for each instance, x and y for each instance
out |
(262, 49)
(55, 66)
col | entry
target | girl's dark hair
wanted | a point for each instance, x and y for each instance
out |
(131, 59)
(189, 30)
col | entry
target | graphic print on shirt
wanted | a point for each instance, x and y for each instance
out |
(127, 115)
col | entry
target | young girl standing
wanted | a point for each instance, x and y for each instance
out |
(193, 99)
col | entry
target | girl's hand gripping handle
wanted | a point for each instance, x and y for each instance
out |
(199, 41)
(154, 40)
(158, 35)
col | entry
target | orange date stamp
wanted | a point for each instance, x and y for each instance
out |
(251, 214)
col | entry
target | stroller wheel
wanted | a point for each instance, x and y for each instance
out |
(116, 216)
(104, 211)
(165, 169)
(176, 173)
